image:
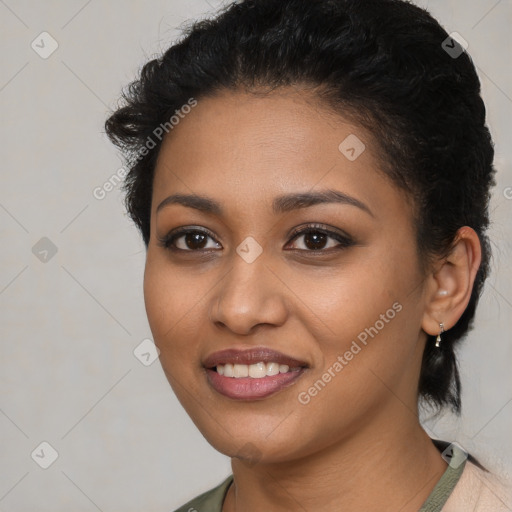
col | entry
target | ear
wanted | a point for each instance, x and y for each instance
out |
(450, 285)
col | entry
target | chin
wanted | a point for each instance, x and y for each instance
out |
(253, 445)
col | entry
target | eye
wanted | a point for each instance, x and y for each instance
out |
(316, 239)
(188, 240)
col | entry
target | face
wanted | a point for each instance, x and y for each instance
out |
(297, 265)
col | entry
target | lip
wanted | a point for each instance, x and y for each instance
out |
(251, 356)
(247, 388)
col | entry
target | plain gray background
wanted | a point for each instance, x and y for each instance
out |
(72, 320)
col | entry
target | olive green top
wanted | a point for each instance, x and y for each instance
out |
(212, 500)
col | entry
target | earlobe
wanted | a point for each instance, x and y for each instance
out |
(450, 285)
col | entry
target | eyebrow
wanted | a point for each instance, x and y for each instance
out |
(281, 204)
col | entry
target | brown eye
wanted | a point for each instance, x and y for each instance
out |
(189, 240)
(317, 239)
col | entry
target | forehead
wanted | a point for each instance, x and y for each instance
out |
(245, 149)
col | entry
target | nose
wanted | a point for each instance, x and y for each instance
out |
(249, 295)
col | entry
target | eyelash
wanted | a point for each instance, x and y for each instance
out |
(344, 240)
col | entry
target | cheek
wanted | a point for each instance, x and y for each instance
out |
(345, 301)
(170, 304)
(172, 308)
(368, 313)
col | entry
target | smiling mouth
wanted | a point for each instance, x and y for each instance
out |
(252, 374)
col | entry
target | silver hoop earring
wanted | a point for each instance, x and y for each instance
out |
(438, 339)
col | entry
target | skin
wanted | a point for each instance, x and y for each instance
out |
(358, 441)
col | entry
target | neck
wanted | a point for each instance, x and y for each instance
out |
(389, 468)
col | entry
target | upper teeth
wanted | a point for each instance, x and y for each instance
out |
(256, 371)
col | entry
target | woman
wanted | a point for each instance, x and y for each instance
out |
(311, 180)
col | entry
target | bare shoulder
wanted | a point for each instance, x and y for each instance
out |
(480, 491)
